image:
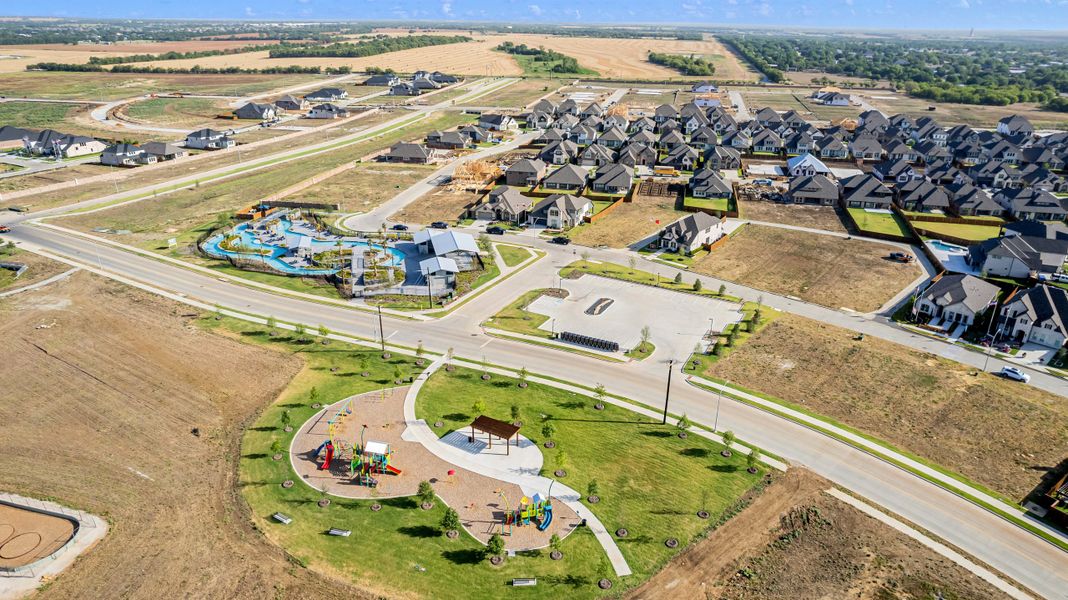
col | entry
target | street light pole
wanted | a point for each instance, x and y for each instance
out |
(381, 329)
(719, 398)
(993, 317)
(667, 392)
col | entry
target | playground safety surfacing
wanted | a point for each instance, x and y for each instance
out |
(481, 501)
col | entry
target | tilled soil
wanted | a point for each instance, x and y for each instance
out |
(103, 387)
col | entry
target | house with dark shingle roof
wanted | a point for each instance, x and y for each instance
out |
(596, 155)
(568, 177)
(504, 203)
(682, 157)
(707, 183)
(723, 158)
(968, 200)
(327, 95)
(447, 140)
(1027, 203)
(690, 233)
(525, 173)
(328, 111)
(409, 153)
(635, 154)
(613, 179)
(559, 153)
(894, 171)
(290, 102)
(125, 155)
(955, 299)
(864, 191)
(920, 195)
(1038, 315)
(812, 189)
(832, 148)
(382, 80)
(208, 139)
(560, 211)
(1018, 256)
(163, 150)
(1015, 124)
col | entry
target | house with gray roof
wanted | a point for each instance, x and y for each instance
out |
(864, 191)
(125, 155)
(707, 183)
(209, 139)
(723, 158)
(683, 158)
(560, 211)
(920, 195)
(382, 80)
(968, 200)
(635, 154)
(164, 150)
(559, 153)
(448, 140)
(691, 233)
(505, 204)
(806, 164)
(328, 94)
(291, 102)
(525, 173)
(957, 299)
(406, 152)
(812, 189)
(327, 111)
(568, 177)
(596, 155)
(832, 148)
(1015, 124)
(404, 88)
(1017, 256)
(498, 122)
(1027, 203)
(613, 179)
(1038, 315)
(260, 112)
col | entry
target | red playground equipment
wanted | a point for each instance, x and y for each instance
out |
(328, 445)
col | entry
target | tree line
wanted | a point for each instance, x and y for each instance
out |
(687, 65)
(194, 70)
(134, 58)
(378, 45)
(553, 61)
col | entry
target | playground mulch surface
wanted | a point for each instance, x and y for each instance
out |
(27, 535)
(103, 385)
(794, 541)
(475, 497)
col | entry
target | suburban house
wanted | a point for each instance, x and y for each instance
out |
(1017, 256)
(690, 233)
(568, 107)
(549, 136)
(830, 98)
(1015, 124)
(920, 195)
(767, 141)
(1038, 315)
(832, 148)
(406, 152)
(706, 183)
(613, 179)
(476, 134)
(957, 299)
(704, 87)
(209, 139)
(812, 189)
(404, 88)
(864, 191)
(496, 122)
(682, 157)
(538, 119)
(894, 171)
(525, 173)
(290, 102)
(637, 154)
(568, 177)
(326, 95)
(327, 111)
(447, 140)
(665, 112)
(1030, 228)
(559, 153)
(125, 155)
(596, 155)
(382, 80)
(723, 158)
(560, 211)
(424, 82)
(504, 203)
(50, 142)
(613, 137)
(259, 112)
(164, 151)
(806, 164)
(866, 147)
(1038, 205)
(544, 105)
(968, 200)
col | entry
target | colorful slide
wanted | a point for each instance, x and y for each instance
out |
(329, 455)
(393, 469)
(547, 519)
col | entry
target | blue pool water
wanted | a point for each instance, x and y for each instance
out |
(284, 227)
(940, 245)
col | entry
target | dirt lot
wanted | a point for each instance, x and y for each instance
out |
(818, 217)
(38, 268)
(629, 223)
(365, 186)
(112, 86)
(439, 205)
(918, 402)
(520, 93)
(844, 554)
(797, 99)
(100, 418)
(823, 269)
(32, 180)
(955, 114)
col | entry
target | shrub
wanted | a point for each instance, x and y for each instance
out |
(426, 492)
(450, 520)
(697, 285)
(495, 546)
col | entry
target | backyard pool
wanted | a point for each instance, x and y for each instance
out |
(288, 246)
(940, 245)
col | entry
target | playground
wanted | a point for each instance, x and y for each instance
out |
(355, 448)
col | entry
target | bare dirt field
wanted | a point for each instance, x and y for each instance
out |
(112, 86)
(155, 47)
(520, 93)
(797, 99)
(365, 186)
(88, 377)
(818, 217)
(969, 114)
(38, 268)
(629, 223)
(439, 205)
(930, 406)
(818, 268)
(859, 557)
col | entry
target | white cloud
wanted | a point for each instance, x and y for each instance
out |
(249, 12)
(535, 10)
(765, 9)
(446, 8)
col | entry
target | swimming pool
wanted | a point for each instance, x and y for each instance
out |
(276, 235)
(940, 245)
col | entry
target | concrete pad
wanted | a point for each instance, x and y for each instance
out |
(677, 321)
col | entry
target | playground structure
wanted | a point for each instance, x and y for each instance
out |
(530, 511)
(365, 459)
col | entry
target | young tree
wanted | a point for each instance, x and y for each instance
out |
(313, 396)
(419, 350)
(484, 242)
(495, 546)
(365, 363)
(425, 493)
(646, 333)
(684, 423)
(722, 289)
(600, 393)
(592, 489)
(718, 348)
(697, 285)
(398, 375)
(753, 460)
(554, 543)
(757, 316)
(631, 262)
(728, 441)
(585, 255)
(286, 418)
(276, 447)
(450, 521)
(678, 277)
(272, 324)
(299, 330)
(479, 407)
(548, 430)
(562, 460)
(522, 374)
(516, 413)
(324, 331)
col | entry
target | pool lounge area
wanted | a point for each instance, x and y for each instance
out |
(952, 257)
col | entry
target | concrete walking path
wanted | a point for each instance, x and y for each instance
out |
(40, 284)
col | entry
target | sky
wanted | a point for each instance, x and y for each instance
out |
(858, 14)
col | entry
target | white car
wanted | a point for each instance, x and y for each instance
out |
(1015, 374)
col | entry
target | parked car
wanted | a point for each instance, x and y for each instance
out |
(1015, 374)
(495, 230)
(562, 240)
(5, 229)
(439, 225)
(762, 182)
(903, 257)
(399, 227)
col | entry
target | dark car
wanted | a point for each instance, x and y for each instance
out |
(562, 240)
(399, 227)
(495, 230)
(439, 225)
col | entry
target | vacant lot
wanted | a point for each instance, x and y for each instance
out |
(438, 205)
(117, 410)
(629, 223)
(818, 217)
(112, 86)
(38, 268)
(783, 100)
(995, 431)
(969, 114)
(824, 269)
(520, 93)
(32, 180)
(365, 186)
(174, 112)
(68, 118)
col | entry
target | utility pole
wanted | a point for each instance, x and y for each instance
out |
(429, 293)
(381, 329)
(993, 317)
(667, 393)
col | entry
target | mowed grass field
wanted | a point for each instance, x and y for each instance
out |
(113, 86)
(175, 111)
(995, 431)
(365, 186)
(116, 409)
(823, 269)
(68, 118)
(968, 114)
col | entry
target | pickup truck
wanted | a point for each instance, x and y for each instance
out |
(902, 257)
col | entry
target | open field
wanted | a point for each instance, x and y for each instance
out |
(969, 114)
(839, 553)
(992, 430)
(818, 217)
(175, 112)
(438, 205)
(365, 186)
(68, 118)
(784, 99)
(824, 269)
(145, 47)
(628, 224)
(38, 268)
(67, 173)
(113, 86)
(520, 93)
(117, 413)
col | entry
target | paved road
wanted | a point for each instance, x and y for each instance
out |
(741, 113)
(1020, 555)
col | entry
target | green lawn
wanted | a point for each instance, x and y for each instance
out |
(512, 255)
(599, 205)
(885, 223)
(708, 203)
(650, 481)
(37, 115)
(973, 233)
(516, 318)
(615, 271)
(641, 352)
(538, 68)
